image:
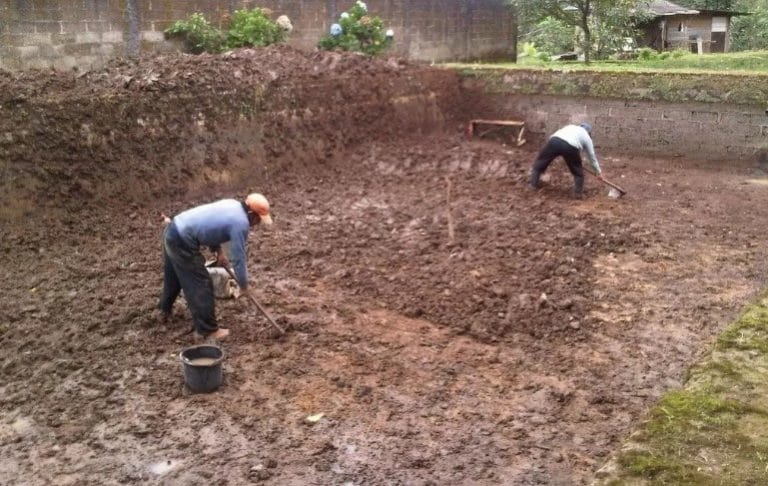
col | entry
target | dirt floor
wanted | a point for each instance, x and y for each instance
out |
(446, 325)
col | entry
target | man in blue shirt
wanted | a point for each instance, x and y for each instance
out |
(568, 142)
(211, 225)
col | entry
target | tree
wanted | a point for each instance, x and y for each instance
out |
(603, 23)
(750, 32)
(551, 36)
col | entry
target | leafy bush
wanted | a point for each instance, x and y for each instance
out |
(553, 36)
(357, 31)
(246, 28)
(254, 28)
(199, 35)
(529, 50)
(646, 54)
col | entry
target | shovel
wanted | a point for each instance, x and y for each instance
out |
(608, 183)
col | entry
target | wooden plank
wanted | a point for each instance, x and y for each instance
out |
(511, 123)
(508, 123)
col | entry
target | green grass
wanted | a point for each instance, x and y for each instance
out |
(715, 429)
(749, 333)
(731, 63)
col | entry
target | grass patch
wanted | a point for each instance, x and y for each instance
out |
(715, 429)
(695, 419)
(645, 464)
(748, 333)
(749, 62)
(724, 368)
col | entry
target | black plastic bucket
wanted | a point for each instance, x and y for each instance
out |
(202, 367)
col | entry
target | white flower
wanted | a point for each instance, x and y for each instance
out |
(336, 30)
(344, 15)
(362, 5)
(390, 33)
(285, 23)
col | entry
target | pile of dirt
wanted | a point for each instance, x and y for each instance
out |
(166, 126)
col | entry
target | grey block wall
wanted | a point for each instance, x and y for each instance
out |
(714, 131)
(85, 34)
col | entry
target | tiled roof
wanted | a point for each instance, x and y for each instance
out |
(662, 7)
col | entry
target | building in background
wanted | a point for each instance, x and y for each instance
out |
(673, 26)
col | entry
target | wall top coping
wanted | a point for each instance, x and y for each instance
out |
(732, 88)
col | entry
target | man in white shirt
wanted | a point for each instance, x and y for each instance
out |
(568, 142)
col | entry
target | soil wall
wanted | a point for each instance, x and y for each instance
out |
(85, 34)
(174, 125)
(668, 115)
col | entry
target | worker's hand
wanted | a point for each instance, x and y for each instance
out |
(221, 259)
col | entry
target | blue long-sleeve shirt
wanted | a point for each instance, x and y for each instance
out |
(214, 224)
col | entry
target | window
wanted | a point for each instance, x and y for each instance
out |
(719, 24)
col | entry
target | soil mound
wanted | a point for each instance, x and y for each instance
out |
(164, 126)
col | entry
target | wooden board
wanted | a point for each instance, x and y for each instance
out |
(472, 127)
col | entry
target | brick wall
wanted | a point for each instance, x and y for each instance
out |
(705, 116)
(710, 131)
(86, 33)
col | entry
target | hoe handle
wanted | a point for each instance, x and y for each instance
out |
(258, 306)
(607, 182)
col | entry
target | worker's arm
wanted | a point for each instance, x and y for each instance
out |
(589, 148)
(238, 245)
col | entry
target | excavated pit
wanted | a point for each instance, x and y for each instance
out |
(447, 326)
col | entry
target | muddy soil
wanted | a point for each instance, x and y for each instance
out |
(446, 325)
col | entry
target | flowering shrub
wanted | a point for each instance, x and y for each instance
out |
(254, 28)
(246, 28)
(357, 31)
(198, 34)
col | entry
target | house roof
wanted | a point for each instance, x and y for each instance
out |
(662, 8)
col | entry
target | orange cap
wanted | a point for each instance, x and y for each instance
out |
(258, 204)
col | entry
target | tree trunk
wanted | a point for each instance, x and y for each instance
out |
(587, 35)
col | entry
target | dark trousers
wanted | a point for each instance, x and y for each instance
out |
(184, 269)
(557, 147)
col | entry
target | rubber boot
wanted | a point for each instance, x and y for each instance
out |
(578, 187)
(534, 182)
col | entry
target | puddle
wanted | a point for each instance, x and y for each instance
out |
(163, 467)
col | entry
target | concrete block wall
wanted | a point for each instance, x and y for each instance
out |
(38, 34)
(85, 34)
(709, 131)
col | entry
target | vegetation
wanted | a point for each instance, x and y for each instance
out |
(199, 35)
(598, 27)
(254, 28)
(715, 430)
(647, 60)
(357, 31)
(750, 32)
(247, 28)
(550, 36)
